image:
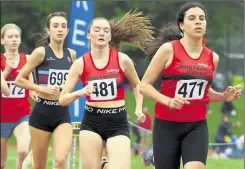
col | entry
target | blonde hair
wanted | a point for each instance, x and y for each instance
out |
(9, 26)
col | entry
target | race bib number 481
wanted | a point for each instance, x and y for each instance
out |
(57, 77)
(191, 89)
(105, 89)
(15, 92)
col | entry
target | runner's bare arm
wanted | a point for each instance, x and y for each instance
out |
(4, 87)
(34, 60)
(132, 76)
(152, 73)
(67, 96)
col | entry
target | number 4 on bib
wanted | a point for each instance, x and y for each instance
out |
(191, 89)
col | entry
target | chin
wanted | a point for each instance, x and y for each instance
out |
(59, 40)
(101, 45)
(197, 36)
(14, 48)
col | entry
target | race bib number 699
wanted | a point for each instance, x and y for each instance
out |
(57, 77)
(105, 89)
(191, 89)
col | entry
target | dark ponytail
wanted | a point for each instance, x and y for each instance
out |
(167, 33)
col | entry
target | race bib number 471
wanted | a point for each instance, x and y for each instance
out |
(57, 77)
(105, 89)
(15, 92)
(191, 89)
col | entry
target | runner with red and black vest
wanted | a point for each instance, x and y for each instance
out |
(187, 68)
(15, 108)
(102, 71)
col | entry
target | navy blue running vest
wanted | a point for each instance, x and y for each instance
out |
(53, 71)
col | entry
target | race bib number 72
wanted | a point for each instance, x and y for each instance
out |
(191, 89)
(15, 92)
(105, 89)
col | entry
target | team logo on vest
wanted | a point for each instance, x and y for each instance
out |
(202, 64)
(69, 59)
(50, 58)
(112, 70)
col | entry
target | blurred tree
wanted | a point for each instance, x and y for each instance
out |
(30, 17)
(225, 29)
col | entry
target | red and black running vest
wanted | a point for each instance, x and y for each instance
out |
(108, 81)
(189, 78)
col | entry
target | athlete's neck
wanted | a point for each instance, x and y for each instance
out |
(98, 53)
(58, 47)
(14, 54)
(191, 45)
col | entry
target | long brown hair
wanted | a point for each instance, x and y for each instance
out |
(133, 28)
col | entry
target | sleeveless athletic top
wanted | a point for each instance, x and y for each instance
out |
(15, 106)
(53, 71)
(109, 81)
(189, 78)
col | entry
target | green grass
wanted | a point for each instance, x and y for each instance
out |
(136, 162)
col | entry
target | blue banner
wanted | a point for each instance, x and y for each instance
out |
(81, 13)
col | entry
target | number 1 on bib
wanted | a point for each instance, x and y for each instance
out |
(191, 89)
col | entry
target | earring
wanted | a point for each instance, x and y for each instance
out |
(182, 34)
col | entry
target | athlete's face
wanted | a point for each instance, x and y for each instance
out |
(58, 28)
(194, 24)
(11, 39)
(100, 33)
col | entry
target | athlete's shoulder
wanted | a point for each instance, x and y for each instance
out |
(78, 62)
(168, 46)
(124, 57)
(40, 51)
(215, 58)
(87, 54)
(73, 54)
(164, 51)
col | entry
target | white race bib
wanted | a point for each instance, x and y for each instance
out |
(57, 77)
(105, 89)
(191, 89)
(15, 92)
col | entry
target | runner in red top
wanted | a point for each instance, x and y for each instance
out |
(102, 72)
(15, 108)
(18, 96)
(111, 71)
(187, 67)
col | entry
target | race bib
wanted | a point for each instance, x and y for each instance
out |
(105, 89)
(15, 92)
(57, 77)
(191, 89)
